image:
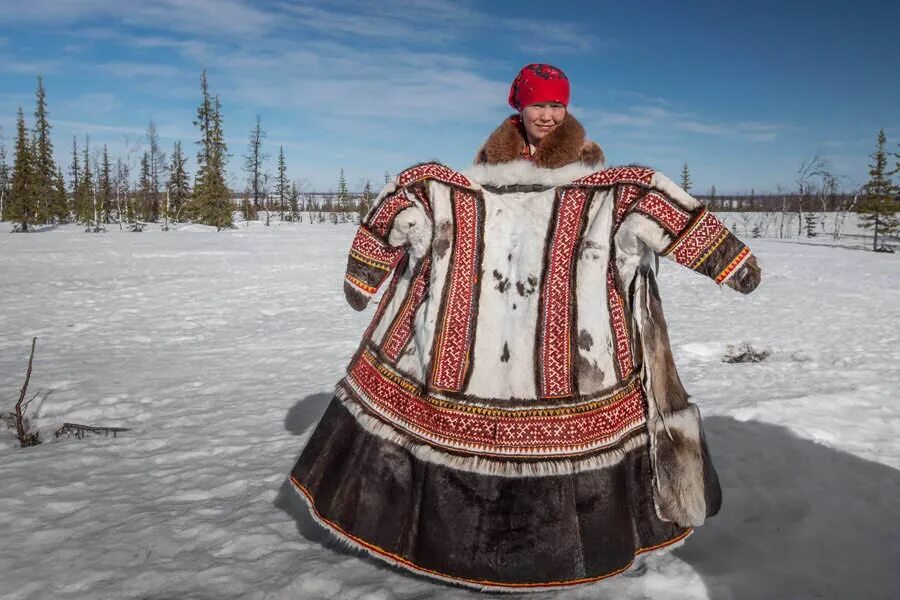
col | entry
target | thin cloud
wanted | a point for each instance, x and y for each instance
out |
(135, 70)
(660, 118)
(198, 16)
(24, 66)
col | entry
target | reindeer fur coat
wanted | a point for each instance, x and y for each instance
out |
(513, 418)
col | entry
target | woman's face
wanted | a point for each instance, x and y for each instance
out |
(541, 119)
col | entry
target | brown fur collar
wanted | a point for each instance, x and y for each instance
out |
(564, 145)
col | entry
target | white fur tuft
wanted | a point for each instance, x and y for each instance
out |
(523, 172)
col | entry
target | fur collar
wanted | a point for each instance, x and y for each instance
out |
(563, 146)
(525, 172)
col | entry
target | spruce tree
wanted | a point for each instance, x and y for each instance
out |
(157, 166)
(23, 201)
(282, 187)
(878, 209)
(74, 178)
(295, 201)
(104, 188)
(60, 198)
(44, 165)
(145, 187)
(253, 162)
(343, 194)
(203, 121)
(686, 178)
(85, 195)
(211, 202)
(4, 183)
(124, 210)
(178, 186)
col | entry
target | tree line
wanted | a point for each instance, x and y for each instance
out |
(876, 203)
(34, 190)
(101, 190)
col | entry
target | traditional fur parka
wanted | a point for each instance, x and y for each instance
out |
(513, 418)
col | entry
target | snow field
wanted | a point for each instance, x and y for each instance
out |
(220, 350)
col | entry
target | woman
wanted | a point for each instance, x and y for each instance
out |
(513, 418)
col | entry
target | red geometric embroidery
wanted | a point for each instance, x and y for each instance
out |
(456, 326)
(383, 218)
(733, 265)
(422, 197)
(361, 285)
(432, 171)
(495, 432)
(555, 347)
(619, 322)
(637, 175)
(626, 196)
(699, 241)
(382, 305)
(659, 208)
(371, 250)
(401, 329)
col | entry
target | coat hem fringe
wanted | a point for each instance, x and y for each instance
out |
(537, 466)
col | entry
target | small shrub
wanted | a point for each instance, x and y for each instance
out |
(743, 353)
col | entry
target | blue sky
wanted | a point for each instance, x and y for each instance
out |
(741, 91)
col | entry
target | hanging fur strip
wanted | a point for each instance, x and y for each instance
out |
(685, 487)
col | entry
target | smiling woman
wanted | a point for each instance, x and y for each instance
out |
(513, 418)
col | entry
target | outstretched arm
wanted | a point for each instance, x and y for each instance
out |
(396, 224)
(676, 225)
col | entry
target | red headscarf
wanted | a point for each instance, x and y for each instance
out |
(538, 83)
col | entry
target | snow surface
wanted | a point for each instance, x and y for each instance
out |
(220, 352)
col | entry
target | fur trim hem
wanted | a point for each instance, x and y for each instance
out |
(537, 467)
(352, 542)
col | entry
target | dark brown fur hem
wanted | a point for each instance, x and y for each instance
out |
(564, 145)
(352, 542)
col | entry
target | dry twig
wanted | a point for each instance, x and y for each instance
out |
(23, 430)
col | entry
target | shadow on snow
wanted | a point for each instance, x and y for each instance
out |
(799, 520)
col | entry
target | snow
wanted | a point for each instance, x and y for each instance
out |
(220, 351)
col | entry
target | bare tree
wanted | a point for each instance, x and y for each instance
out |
(809, 174)
(253, 162)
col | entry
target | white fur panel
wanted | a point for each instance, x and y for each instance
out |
(442, 237)
(675, 192)
(412, 226)
(644, 229)
(594, 337)
(523, 172)
(515, 231)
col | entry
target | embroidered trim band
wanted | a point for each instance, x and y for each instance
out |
(455, 333)
(557, 315)
(551, 432)
(401, 329)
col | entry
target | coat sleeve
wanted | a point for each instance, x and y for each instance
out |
(397, 224)
(676, 225)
